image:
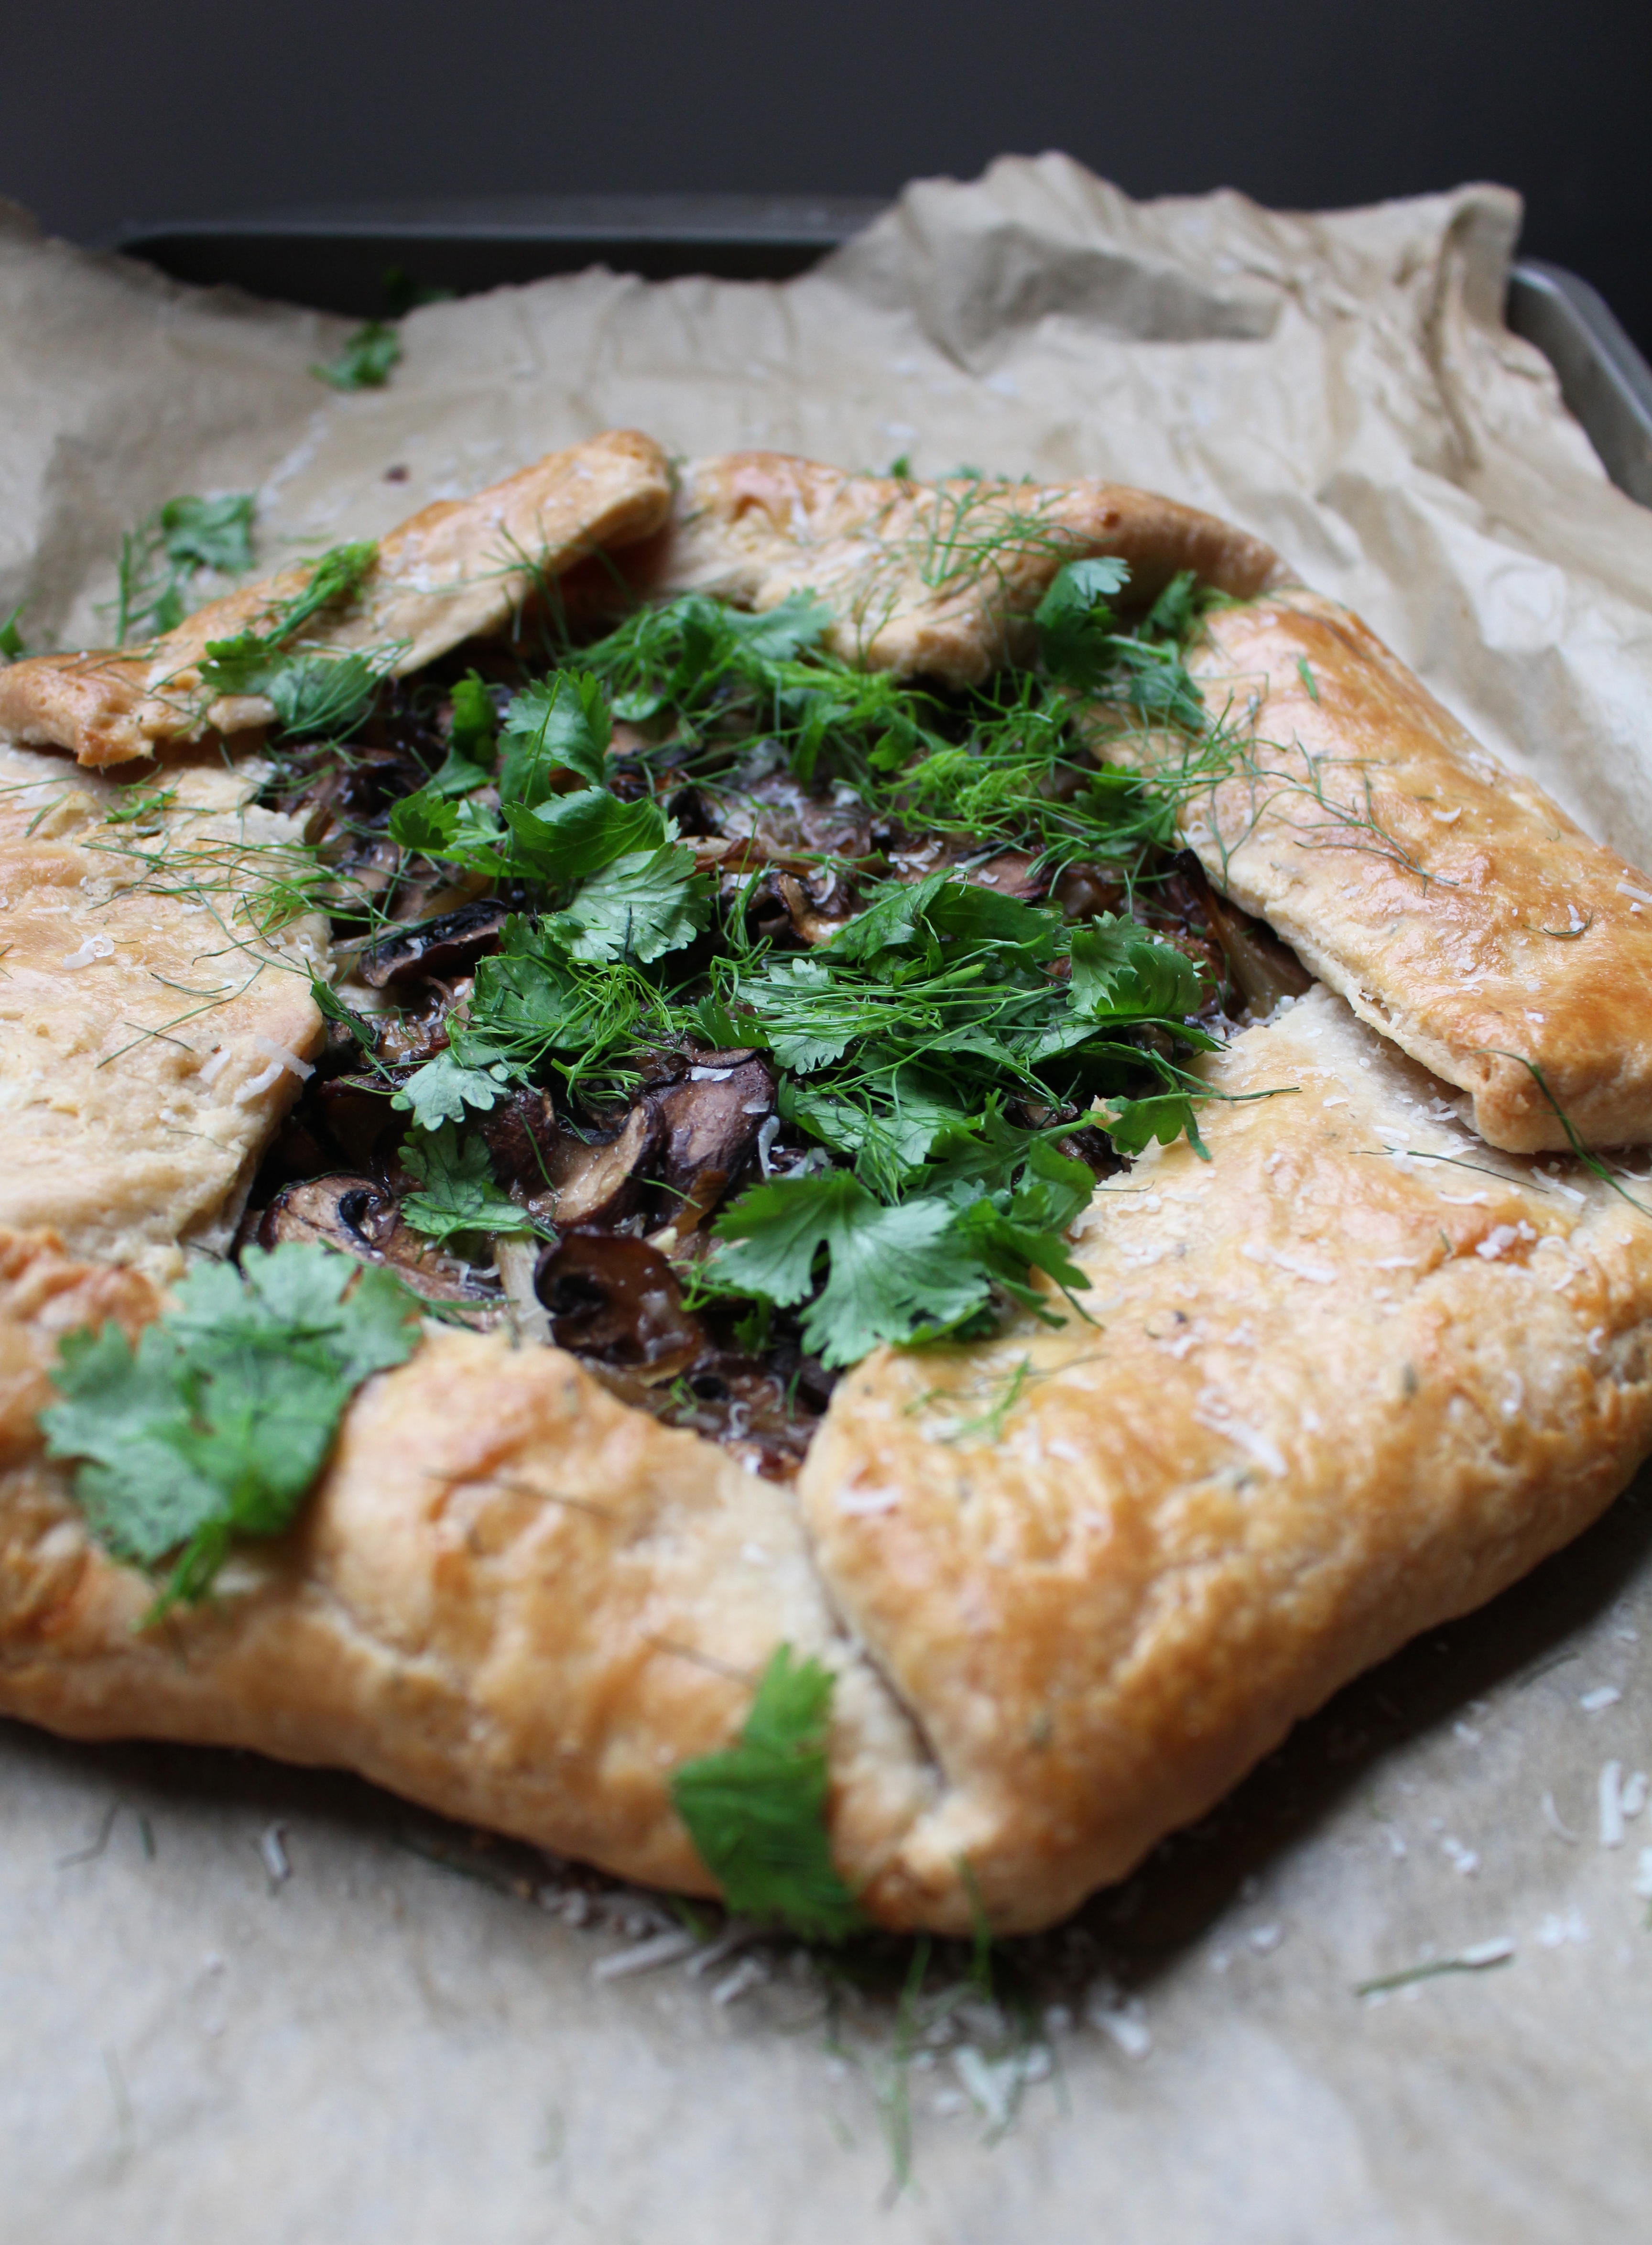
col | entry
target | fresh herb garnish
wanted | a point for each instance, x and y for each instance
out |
(944, 1049)
(161, 559)
(459, 1194)
(315, 690)
(365, 361)
(11, 647)
(757, 1812)
(217, 1422)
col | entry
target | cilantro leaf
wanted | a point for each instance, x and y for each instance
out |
(1074, 620)
(757, 1812)
(889, 1267)
(643, 905)
(801, 621)
(440, 1090)
(1133, 1124)
(461, 833)
(897, 1122)
(561, 723)
(459, 1192)
(11, 647)
(217, 1422)
(802, 1033)
(1176, 610)
(943, 909)
(365, 359)
(1120, 971)
(159, 560)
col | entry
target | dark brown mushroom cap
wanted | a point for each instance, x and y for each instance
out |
(361, 1218)
(616, 1298)
(441, 948)
(710, 1117)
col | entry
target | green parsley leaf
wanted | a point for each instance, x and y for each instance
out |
(1173, 614)
(801, 620)
(216, 1425)
(11, 647)
(365, 360)
(459, 1192)
(1121, 972)
(475, 730)
(757, 1812)
(561, 723)
(642, 905)
(1074, 620)
(942, 909)
(440, 1090)
(889, 1267)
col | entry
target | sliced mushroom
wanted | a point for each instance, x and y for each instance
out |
(593, 1180)
(359, 1217)
(1263, 970)
(441, 948)
(709, 1121)
(356, 1115)
(803, 901)
(1085, 892)
(615, 1297)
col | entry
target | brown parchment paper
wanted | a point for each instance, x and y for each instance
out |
(241, 2002)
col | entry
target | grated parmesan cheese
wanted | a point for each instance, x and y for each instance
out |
(94, 948)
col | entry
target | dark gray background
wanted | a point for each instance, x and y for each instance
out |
(192, 108)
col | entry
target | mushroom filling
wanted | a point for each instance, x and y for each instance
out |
(717, 1011)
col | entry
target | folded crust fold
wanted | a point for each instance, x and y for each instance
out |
(510, 1597)
(155, 1004)
(934, 581)
(1455, 907)
(1332, 1395)
(455, 571)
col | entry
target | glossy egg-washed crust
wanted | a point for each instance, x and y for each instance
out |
(1071, 1585)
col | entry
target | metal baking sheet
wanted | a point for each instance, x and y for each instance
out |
(338, 259)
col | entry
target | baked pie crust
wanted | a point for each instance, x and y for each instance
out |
(1351, 1376)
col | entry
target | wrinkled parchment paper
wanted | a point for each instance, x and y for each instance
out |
(235, 2002)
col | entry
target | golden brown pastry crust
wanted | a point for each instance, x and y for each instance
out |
(456, 570)
(1453, 906)
(928, 580)
(143, 1009)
